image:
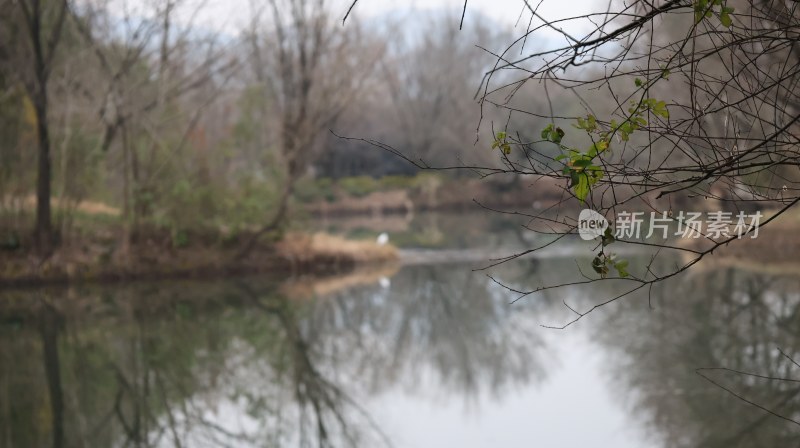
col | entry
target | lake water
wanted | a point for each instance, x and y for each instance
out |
(428, 354)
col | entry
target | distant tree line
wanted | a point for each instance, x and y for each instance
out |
(140, 107)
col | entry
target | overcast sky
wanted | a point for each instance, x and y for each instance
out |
(506, 11)
(232, 15)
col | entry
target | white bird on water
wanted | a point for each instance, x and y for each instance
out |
(383, 238)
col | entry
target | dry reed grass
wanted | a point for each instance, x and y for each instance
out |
(303, 247)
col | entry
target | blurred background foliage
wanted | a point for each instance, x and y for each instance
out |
(156, 122)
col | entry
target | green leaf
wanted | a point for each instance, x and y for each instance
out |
(599, 266)
(589, 123)
(638, 82)
(546, 131)
(500, 142)
(596, 174)
(725, 19)
(621, 267)
(582, 187)
(574, 177)
(581, 163)
(608, 237)
(559, 134)
(598, 147)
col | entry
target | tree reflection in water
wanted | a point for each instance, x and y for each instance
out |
(252, 363)
(241, 364)
(718, 318)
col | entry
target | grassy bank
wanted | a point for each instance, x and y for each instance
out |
(154, 256)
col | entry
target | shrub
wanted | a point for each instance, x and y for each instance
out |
(309, 190)
(359, 186)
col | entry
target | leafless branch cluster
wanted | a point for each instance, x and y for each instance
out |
(682, 103)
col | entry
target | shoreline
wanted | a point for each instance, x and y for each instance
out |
(296, 254)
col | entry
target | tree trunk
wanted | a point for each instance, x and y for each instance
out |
(52, 366)
(275, 223)
(44, 227)
(125, 238)
(43, 50)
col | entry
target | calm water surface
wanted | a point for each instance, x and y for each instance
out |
(422, 355)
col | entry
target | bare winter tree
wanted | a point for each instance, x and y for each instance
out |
(158, 77)
(430, 80)
(309, 68)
